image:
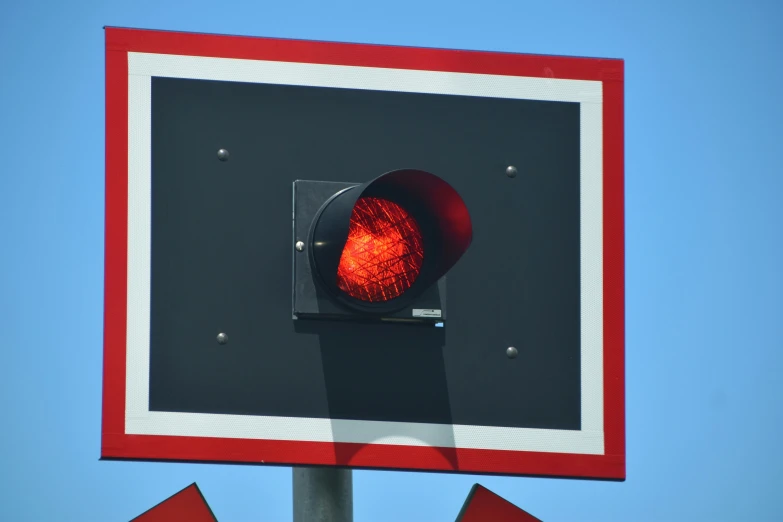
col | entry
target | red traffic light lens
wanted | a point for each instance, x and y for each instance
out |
(383, 254)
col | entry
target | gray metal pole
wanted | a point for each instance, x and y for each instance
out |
(323, 495)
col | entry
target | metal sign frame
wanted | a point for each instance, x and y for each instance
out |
(131, 431)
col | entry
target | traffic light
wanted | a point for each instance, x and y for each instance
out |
(379, 250)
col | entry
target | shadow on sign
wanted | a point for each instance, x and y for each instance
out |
(392, 379)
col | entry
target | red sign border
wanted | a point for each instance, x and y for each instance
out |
(118, 445)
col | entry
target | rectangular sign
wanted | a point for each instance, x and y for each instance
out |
(204, 359)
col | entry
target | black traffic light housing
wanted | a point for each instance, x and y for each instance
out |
(433, 229)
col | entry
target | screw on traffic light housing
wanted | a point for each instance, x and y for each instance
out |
(378, 250)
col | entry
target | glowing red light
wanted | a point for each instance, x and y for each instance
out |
(384, 252)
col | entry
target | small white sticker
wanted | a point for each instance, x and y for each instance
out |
(426, 312)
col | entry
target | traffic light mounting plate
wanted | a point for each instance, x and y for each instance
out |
(311, 301)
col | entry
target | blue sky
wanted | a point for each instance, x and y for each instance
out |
(704, 179)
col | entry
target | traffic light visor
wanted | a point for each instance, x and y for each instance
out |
(376, 246)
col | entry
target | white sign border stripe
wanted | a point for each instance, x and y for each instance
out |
(140, 421)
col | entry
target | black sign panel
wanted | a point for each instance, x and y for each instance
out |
(222, 249)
